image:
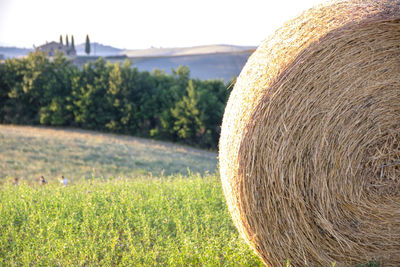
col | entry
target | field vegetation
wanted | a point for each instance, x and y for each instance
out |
(172, 217)
(165, 221)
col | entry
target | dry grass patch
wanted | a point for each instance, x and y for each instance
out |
(30, 152)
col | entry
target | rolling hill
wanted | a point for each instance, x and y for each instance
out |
(205, 62)
(186, 51)
(29, 152)
(10, 52)
(223, 66)
(98, 49)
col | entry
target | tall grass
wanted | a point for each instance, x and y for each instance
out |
(166, 221)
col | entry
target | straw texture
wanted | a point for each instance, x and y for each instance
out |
(310, 142)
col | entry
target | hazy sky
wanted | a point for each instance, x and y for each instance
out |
(145, 23)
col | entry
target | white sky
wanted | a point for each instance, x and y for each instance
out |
(138, 24)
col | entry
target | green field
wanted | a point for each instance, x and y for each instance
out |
(117, 214)
(166, 221)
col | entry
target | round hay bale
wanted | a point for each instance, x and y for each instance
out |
(310, 142)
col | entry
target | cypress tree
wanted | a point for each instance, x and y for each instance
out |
(72, 43)
(66, 41)
(87, 45)
(61, 41)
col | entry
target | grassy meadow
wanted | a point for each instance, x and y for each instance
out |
(30, 152)
(132, 202)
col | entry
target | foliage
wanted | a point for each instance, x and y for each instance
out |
(112, 97)
(72, 43)
(172, 221)
(3, 88)
(87, 45)
(185, 113)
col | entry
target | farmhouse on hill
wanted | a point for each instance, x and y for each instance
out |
(52, 47)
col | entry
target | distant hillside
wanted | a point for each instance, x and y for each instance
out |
(205, 62)
(101, 50)
(183, 51)
(223, 66)
(203, 66)
(97, 49)
(10, 52)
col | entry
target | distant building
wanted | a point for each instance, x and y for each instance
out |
(52, 47)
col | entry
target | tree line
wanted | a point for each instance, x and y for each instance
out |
(112, 98)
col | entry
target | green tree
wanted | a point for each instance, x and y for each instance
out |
(61, 40)
(169, 93)
(164, 96)
(4, 89)
(139, 105)
(13, 78)
(144, 97)
(32, 77)
(92, 110)
(212, 100)
(66, 41)
(186, 115)
(72, 44)
(38, 90)
(87, 45)
(114, 99)
(58, 109)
